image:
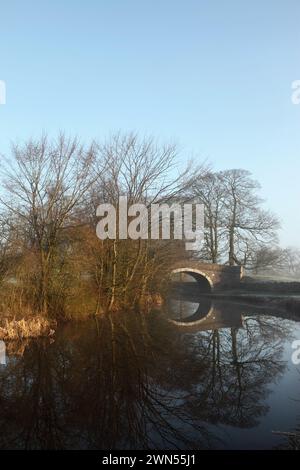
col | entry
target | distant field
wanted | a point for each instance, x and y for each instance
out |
(272, 277)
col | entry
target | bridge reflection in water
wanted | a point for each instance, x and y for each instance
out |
(204, 315)
(187, 308)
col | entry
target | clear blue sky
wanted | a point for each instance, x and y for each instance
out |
(213, 75)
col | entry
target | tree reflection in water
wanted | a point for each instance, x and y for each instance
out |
(134, 381)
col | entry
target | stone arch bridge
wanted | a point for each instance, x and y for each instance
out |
(209, 277)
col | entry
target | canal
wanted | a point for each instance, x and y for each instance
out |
(196, 375)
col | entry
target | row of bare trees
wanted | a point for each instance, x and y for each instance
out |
(238, 227)
(50, 257)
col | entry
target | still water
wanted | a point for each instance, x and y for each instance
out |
(198, 375)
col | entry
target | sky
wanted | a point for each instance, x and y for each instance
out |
(213, 75)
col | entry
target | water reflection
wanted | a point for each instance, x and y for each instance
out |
(183, 311)
(204, 315)
(133, 381)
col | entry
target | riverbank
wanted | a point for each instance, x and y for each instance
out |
(39, 326)
(280, 302)
(282, 297)
(33, 327)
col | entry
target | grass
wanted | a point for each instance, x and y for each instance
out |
(12, 329)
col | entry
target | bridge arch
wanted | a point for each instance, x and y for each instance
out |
(184, 312)
(192, 322)
(204, 281)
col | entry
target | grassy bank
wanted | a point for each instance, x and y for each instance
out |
(12, 329)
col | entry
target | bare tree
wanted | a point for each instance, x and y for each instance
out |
(210, 192)
(44, 182)
(277, 260)
(236, 226)
(146, 172)
(245, 220)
